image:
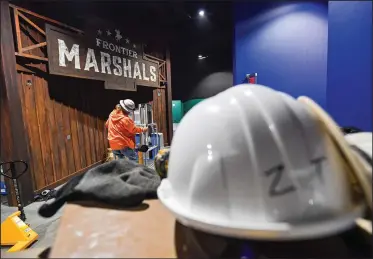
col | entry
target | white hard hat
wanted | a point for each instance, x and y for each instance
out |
(358, 164)
(362, 145)
(362, 140)
(128, 105)
(259, 167)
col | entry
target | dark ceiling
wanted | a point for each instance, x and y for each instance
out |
(187, 34)
(178, 17)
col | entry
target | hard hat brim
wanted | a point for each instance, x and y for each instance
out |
(269, 231)
(331, 128)
(359, 170)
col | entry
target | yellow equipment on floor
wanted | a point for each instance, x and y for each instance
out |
(14, 231)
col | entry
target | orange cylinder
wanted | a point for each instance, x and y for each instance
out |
(141, 158)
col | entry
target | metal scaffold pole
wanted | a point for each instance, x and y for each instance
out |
(146, 120)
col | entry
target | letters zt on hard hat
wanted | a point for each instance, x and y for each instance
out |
(258, 167)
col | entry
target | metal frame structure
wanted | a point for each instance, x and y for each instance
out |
(146, 120)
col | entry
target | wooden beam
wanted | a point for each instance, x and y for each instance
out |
(155, 58)
(150, 59)
(30, 56)
(18, 31)
(24, 69)
(31, 23)
(158, 61)
(14, 135)
(161, 64)
(42, 44)
(46, 18)
(169, 96)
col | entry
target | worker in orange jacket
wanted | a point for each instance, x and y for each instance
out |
(122, 130)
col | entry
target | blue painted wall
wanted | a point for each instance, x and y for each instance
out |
(349, 91)
(319, 49)
(286, 44)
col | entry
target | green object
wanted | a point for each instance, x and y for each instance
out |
(177, 111)
(189, 104)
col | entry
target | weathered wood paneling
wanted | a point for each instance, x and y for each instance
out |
(62, 128)
(58, 147)
(32, 127)
(64, 118)
(65, 122)
(169, 97)
(159, 114)
(14, 142)
(75, 136)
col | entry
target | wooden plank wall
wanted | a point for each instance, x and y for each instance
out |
(14, 145)
(159, 112)
(65, 134)
(65, 117)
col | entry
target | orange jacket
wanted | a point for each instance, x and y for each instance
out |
(121, 131)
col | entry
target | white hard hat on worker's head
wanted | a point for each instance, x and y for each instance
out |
(259, 167)
(128, 105)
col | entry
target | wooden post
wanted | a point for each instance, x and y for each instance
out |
(14, 141)
(169, 97)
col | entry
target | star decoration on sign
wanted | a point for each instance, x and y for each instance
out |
(134, 45)
(108, 33)
(127, 41)
(99, 32)
(118, 37)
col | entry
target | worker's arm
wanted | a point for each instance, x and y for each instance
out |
(131, 127)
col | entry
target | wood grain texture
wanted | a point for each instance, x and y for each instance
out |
(80, 140)
(87, 141)
(65, 179)
(14, 138)
(55, 149)
(54, 127)
(169, 97)
(34, 46)
(23, 103)
(100, 138)
(67, 139)
(62, 118)
(159, 108)
(18, 32)
(75, 138)
(90, 121)
(29, 109)
(30, 56)
(29, 38)
(30, 22)
(44, 130)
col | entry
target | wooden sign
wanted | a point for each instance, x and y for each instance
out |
(106, 56)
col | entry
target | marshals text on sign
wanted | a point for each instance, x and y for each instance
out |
(121, 66)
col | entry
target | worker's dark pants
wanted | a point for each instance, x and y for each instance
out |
(125, 152)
